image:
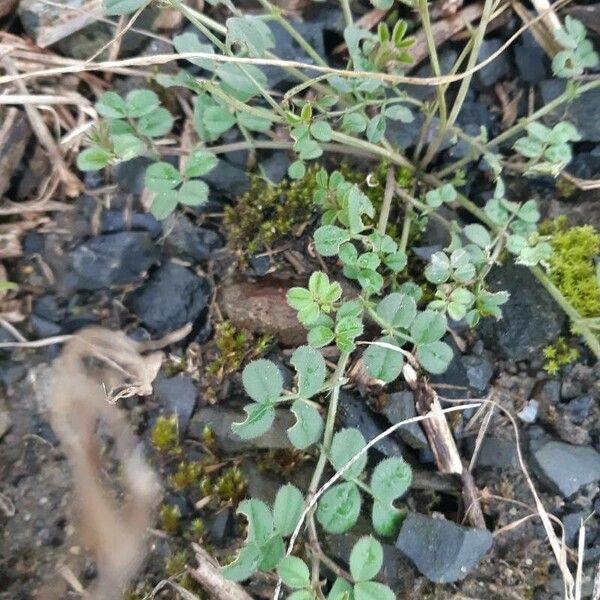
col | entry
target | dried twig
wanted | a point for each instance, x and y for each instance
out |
(208, 575)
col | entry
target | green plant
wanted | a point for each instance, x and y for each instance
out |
(349, 110)
(558, 355)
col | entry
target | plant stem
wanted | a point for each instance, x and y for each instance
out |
(433, 56)
(464, 84)
(384, 214)
(347, 12)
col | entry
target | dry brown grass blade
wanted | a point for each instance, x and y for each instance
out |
(72, 185)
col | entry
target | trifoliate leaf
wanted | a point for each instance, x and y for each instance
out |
(428, 326)
(156, 124)
(366, 559)
(397, 310)
(271, 552)
(311, 369)
(478, 234)
(383, 363)
(308, 427)
(293, 572)
(259, 420)
(262, 381)
(93, 159)
(245, 564)
(260, 520)
(340, 590)
(193, 193)
(391, 479)
(189, 42)
(128, 146)
(346, 444)
(164, 204)
(141, 102)
(372, 590)
(339, 508)
(162, 177)
(320, 336)
(252, 33)
(111, 106)
(328, 239)
(199, 163)
(287, 509)
(386, 519)
(434, 357)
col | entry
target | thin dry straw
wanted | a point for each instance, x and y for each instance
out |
(166, 58)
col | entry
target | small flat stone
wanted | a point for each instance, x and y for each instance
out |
(261, 307)
(401, 407)
(177, 396)
(565, 468)
(442, 550)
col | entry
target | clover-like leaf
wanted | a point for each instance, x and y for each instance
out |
(382, 362)
(193, 193)
(93, 159)
(162, 177)
(199, 163)
(328, 239)
(366, 558)
(478, 234)
(141, 102)
(308, 427)
(293, 572)
(157, 123)
(164, 204)
(386, 518)
(128, 146)
(111, 106)
(262, 381)
(340, 590)
(397, 310)
(339, 507)
(287, 509)
(434, 357)
(271, 552)
(245, 564)
(346, 444)
(258, 421)
(391, 479)
(372, 590)
(252, 32)
(428, 326)
(320, 336)
(311, 369)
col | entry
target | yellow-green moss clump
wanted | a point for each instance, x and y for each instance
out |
(268, 212)
(558, 355)
(165, 435)
(572, 268)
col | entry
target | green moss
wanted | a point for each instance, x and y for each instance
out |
(231, 486)
(234, 346)
(559, 354)
(267, 212)
(176, 563)
(197, 530)
(165, 436)
(187, 475)
(572, 268)
(170, 518)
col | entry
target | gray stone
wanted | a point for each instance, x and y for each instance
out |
(177, 396)
(220, 419)
(479, 372)
(275, 166)
(354, 412)
(113, 259)
(228, 180)
(583, 111)
(497, 452)
(442, 550)
(565, 468)
(172, 297)
(532, 62)
(400, 407)
(188, 241)
(530, 319)
(529, 412)
(497, 69)
(571, 523)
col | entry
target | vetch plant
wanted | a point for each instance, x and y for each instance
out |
(349, 110)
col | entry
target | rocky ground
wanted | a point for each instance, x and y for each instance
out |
(109, 262)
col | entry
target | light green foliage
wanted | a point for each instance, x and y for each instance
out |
(558, 355)
(548, 149)
(578, 53)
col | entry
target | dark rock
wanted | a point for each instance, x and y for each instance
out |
(354, 412)
(532, 62)
(43, 328)
(275, 166)
(113, 221)
(288, 49)
(129, 175)
(228, 180)
(475, 114)
(177, 396)
(261, 307)
(582, 111)
(11, 372)
(577, 380)
(442, 550)
(220, 419)
(188, 241)
(401, 406)
(172, 297)
(260, 263)
(455, 376)
(497, 452)
(565, 468)
(530, 319)
(571, 523)
(579, 409)
(479, 372)
(220, 526)
(498, 68)
(447, 58)
(48, 307)
(113, 259)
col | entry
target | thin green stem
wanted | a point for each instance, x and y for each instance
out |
(433, 57)
(464, 84)
(197, 19)
(386, 205)
(347, 12)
